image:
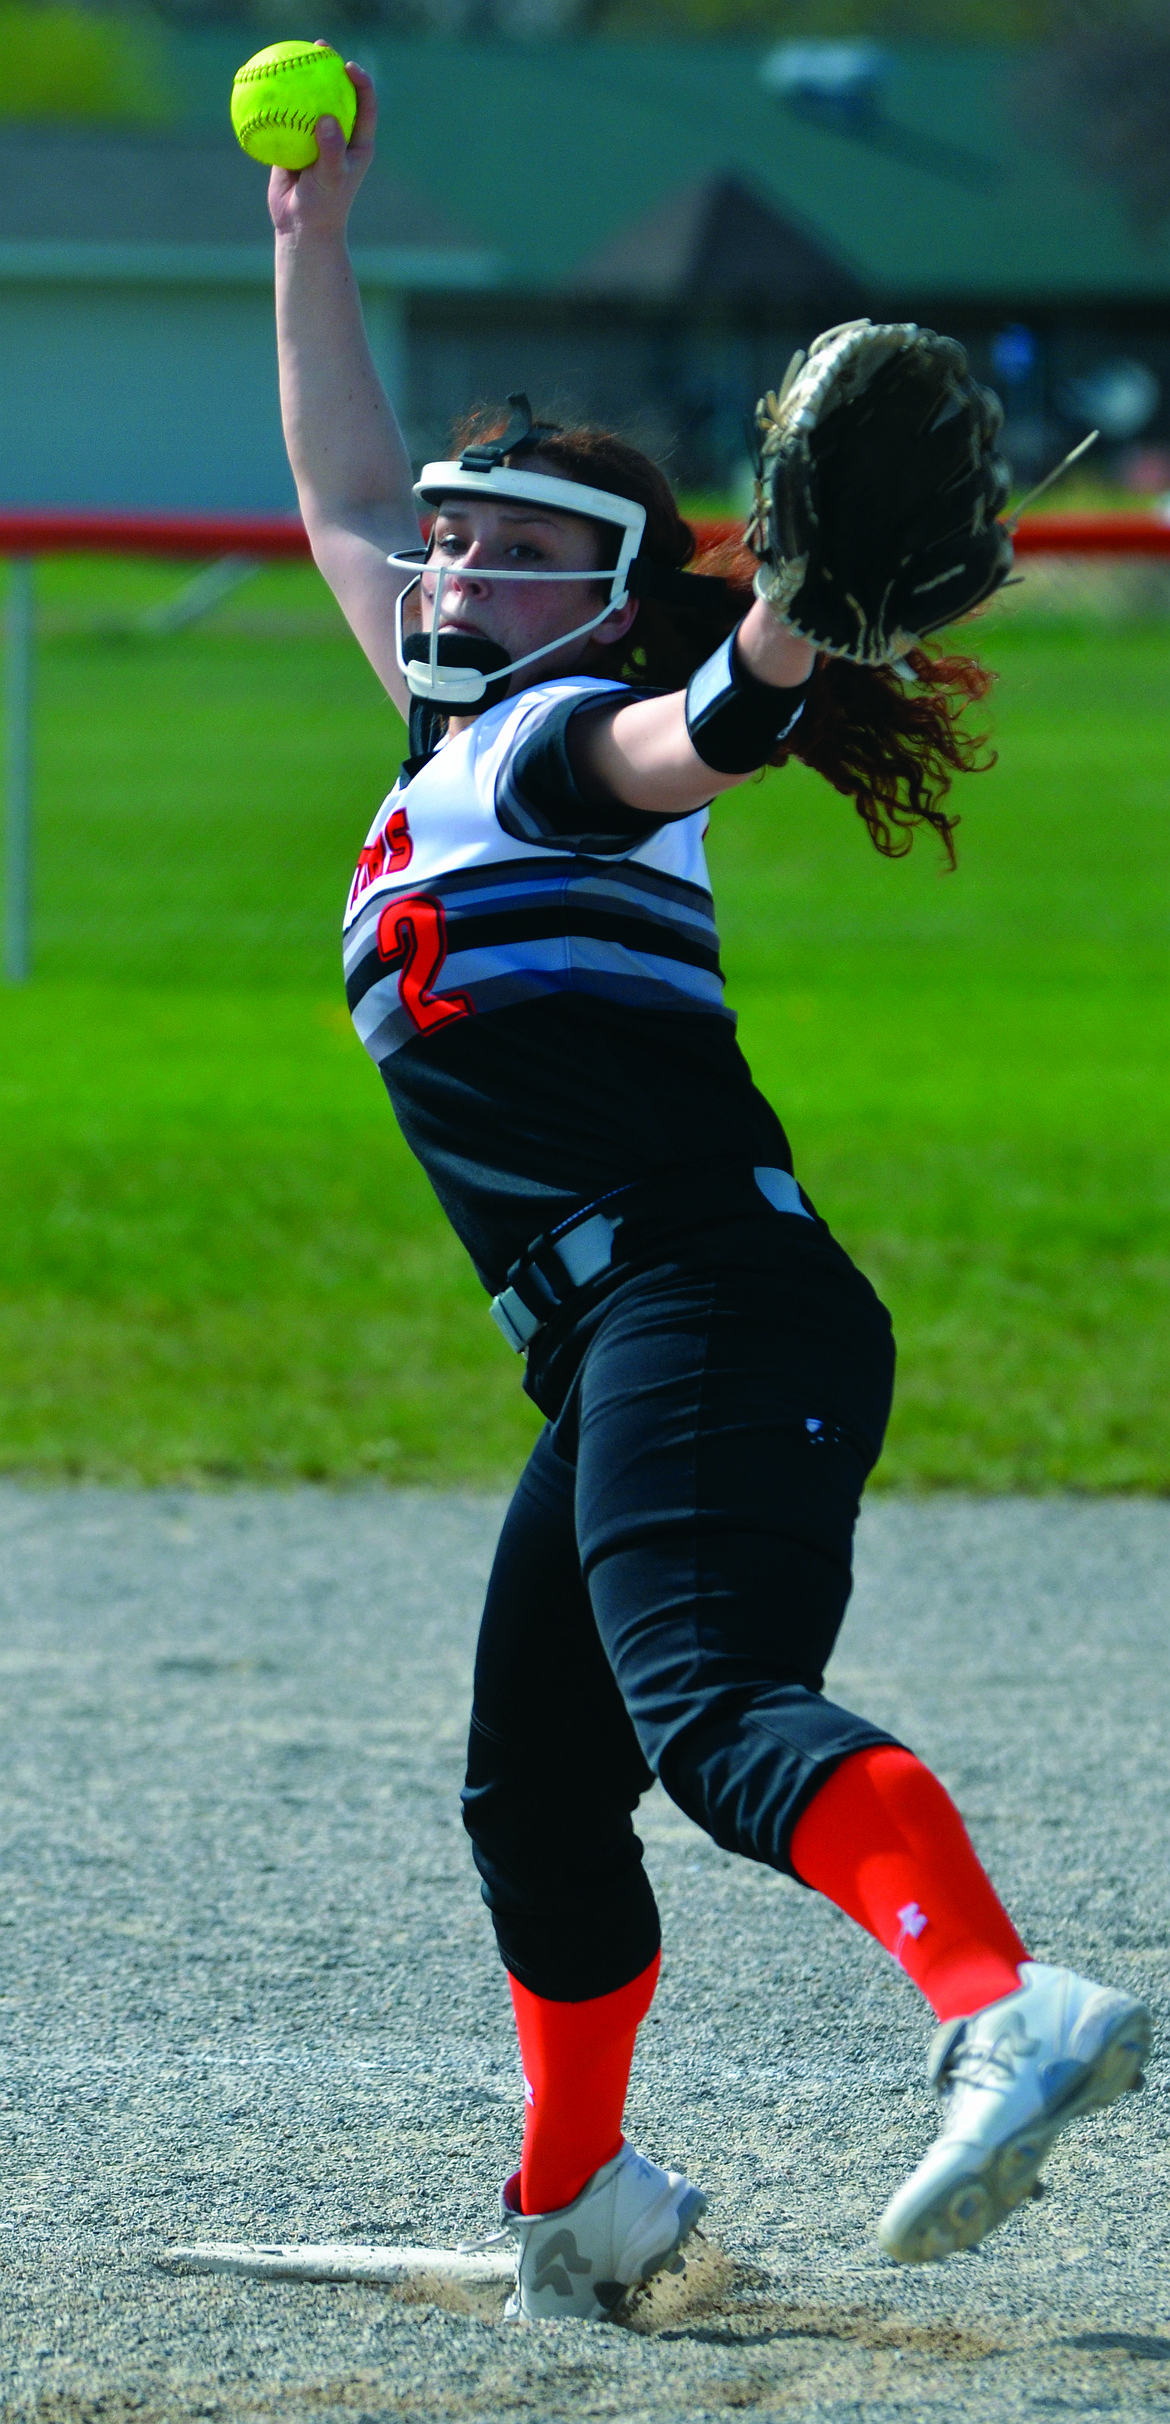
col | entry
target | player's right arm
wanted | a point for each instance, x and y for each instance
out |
(348, 459)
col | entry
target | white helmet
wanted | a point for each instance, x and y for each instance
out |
(454, 669)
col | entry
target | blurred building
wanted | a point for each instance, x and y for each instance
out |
(137, 361)
(636, 232)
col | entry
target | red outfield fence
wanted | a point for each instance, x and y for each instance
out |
(234, 542)
(280, 536)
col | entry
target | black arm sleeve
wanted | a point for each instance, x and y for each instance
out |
(539, 797)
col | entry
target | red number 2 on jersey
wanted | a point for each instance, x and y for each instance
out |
(412, 935)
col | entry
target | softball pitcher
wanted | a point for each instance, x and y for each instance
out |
(532, 963)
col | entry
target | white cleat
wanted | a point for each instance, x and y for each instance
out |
(1012, 2077)
(629, 2222)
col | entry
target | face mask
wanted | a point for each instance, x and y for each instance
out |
(454, 670)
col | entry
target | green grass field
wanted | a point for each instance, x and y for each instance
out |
(218, 1260)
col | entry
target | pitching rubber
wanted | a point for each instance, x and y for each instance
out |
(265, 2262)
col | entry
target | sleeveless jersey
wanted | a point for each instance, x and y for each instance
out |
(535, 973)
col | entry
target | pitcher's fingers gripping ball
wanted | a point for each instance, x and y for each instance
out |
(278, 96)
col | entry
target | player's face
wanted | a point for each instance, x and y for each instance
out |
(474, 537)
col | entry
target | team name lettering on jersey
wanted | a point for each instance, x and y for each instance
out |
(390, 850)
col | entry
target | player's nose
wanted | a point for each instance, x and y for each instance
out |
(466, 578)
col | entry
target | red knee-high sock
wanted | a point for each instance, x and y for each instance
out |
(885, 1842)
(576, 2060)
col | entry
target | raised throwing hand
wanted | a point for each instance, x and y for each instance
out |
(318, 200)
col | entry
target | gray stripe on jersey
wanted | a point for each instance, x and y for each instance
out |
(566, 959)
(520, 820)
(696, 918)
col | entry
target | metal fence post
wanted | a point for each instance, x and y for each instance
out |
(18, 769)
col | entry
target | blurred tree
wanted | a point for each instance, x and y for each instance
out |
(1066, 29)
(835, 20)
(1101, 90)
(768, 20)
(69, 64)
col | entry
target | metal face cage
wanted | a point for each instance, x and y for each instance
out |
(452, 685)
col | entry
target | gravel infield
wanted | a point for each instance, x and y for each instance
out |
(248, 1990)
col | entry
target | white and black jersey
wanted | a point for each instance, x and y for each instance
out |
(536, 975)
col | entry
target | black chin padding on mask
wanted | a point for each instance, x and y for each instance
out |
(425, 729)
(464, 648)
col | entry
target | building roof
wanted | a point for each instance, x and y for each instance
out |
(552, 151)
(717, 243)
(652, 170)
(123, 203)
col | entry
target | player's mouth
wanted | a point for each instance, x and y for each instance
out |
(467, 630)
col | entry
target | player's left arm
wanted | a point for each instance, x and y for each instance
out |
(642, 754)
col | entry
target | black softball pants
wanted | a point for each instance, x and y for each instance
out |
(670, 1579)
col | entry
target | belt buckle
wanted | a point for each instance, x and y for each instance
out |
(586, 1250)
(583, 1252)
(515, 1320)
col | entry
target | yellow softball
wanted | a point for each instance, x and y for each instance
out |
(279, 95)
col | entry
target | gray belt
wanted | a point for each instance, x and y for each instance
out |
(566, 1258)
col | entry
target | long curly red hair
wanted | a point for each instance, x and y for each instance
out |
(891, 746)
